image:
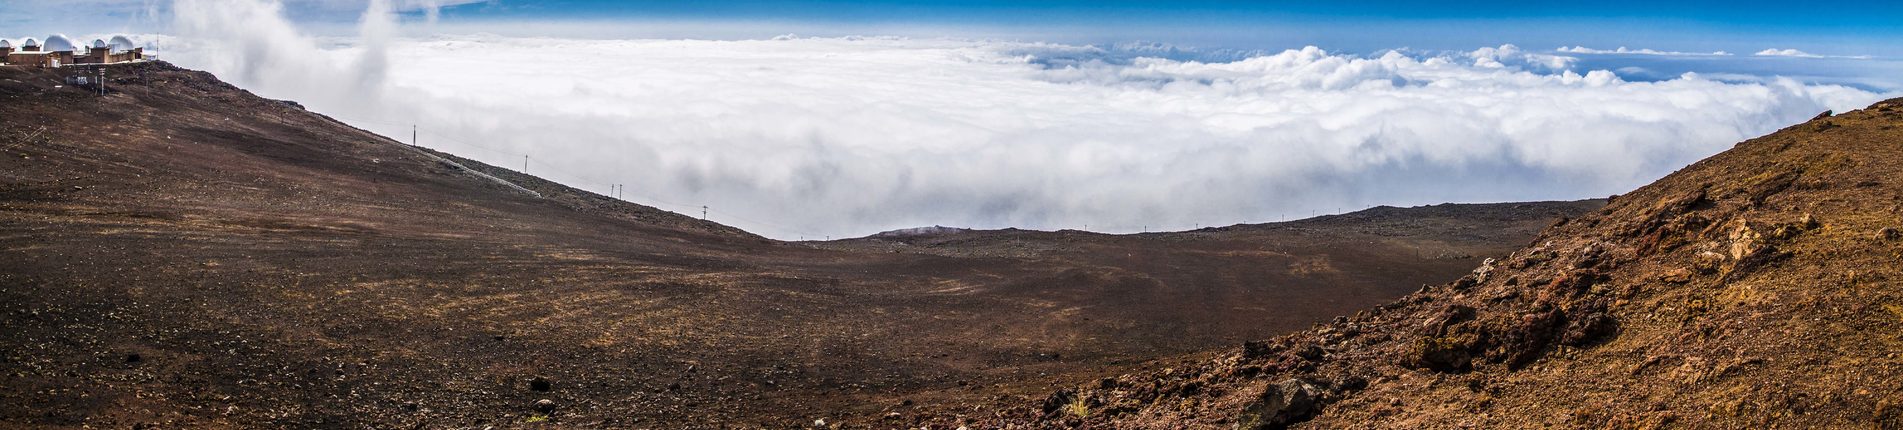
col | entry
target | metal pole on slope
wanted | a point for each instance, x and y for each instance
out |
(525, 164)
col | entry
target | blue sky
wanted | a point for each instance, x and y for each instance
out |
(1865, 28)
(1868, 28)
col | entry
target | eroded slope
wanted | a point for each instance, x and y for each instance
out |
(1760, 288)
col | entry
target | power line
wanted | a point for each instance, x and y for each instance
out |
(619, 191)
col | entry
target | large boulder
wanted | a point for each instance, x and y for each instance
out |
(1282, 404)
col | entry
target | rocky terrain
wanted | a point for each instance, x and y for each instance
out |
(179, 253)
(1761, 288)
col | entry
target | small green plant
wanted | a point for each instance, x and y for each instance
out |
(537, 418)
(1078, 407)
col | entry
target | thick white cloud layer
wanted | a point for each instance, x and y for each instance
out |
(847, 136)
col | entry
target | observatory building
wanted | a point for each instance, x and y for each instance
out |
(58, 51)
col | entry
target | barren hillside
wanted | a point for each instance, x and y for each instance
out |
(1760, 288)
(180, 253)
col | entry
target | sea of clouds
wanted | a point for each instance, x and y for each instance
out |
(797, 137)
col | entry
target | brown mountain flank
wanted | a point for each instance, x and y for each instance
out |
(1760, 288)
(179, 253)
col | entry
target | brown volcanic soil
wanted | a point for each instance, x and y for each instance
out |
(181, 253)
(1761, 288)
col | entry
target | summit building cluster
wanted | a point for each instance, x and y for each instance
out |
(58, 51)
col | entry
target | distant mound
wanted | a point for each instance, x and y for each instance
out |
(937, 230)
(1759, 288)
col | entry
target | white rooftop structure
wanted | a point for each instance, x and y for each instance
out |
(5, 44)
(97, 43)
(30, 43)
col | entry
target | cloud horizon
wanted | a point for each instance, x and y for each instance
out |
(798, 137)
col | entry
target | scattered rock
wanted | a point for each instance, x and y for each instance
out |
(545, 406)
(134, 358)
(1058, 400)
(1744, 241)
(1443, 353)
(1676, 276)
(539, 384)
(1889, 233)
(1288, 402)
(1258, 349)
(1486, 267)
(1310, 352)
(1589, 327)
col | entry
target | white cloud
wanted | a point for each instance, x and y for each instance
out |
(1774, 52)
(1627, 51)
(1786, 53)
(848, 136)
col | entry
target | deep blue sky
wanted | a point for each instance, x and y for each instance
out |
(1794, 15)
(1832, 28)
(1862, 28)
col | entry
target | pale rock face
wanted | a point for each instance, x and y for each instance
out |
(1744, 241)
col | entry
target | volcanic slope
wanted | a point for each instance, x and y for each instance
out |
(1760, 288)
(182, 253)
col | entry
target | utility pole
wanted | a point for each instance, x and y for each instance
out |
(525, 164)
(412, 135)
(703, 212)
(102, 81)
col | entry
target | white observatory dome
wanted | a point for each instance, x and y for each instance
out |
(30, 43)
(59, 43)
(97, 43)
(121, 43)
(5, 44)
